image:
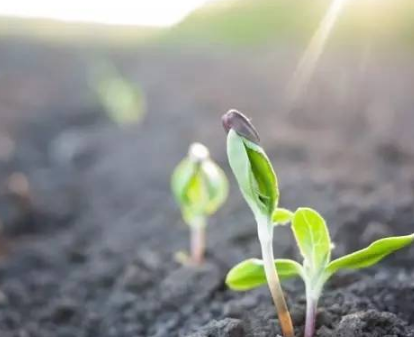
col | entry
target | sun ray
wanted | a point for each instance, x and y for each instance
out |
(307, 64)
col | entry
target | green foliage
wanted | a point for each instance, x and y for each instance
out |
(237, 23)
(312, 237)
(123, 101)
(263, 177)
(199, 186)
(254, 174)
(247, 22)
(258, 22)
(250, 273)
(258, 183)
(281, 216)
(371, 255)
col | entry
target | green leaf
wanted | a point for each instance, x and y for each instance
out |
(313, 239)
(216, 184)
(123, 100)
(250, 273)
(370, 255)
(200, 188)
(181, 178)
(264, 176)
(254, 174)
(281, 216)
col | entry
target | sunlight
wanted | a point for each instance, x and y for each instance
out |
(125, 12)
(307, 64)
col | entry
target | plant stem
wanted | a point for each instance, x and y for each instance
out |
(311, 304)
(312, 297)
(198, 241)
(265, 237)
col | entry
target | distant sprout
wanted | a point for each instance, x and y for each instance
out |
(200, 188)
(313, 240)
(258, 183)
(123, 100)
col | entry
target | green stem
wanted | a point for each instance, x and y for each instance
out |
(265, 236)
(198, 240)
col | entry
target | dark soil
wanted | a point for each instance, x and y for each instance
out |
(90, 228)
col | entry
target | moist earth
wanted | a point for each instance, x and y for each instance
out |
(90, 229)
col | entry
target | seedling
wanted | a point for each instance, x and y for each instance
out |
(313, 240)
(258, 183)
(123, 100)
(200, 188)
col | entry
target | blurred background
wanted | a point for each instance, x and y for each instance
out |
(99, 101)
(127, 58)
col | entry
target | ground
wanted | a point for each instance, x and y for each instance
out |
(89, 226)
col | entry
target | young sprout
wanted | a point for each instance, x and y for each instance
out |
(258, 184)
(200, 188)
(123, 100)
(312, 238)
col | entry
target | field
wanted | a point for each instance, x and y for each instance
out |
(89, 225)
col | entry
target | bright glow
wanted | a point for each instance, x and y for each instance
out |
(313, 52)
(198, 152)
(126, 12)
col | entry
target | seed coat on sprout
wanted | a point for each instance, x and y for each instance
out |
(258, 183)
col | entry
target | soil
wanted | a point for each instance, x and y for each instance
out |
(89, 226)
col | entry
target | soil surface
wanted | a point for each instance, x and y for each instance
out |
(89, 226)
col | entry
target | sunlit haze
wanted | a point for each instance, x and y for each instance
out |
(127, 12)
(307, 64)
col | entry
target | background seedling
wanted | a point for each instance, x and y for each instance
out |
(123, 100)
(312, 238)
(200, 188)
(258, 184)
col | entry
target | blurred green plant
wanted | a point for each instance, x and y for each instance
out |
(123, 101)
(257, 22)
(200, 188)
(240, 23)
